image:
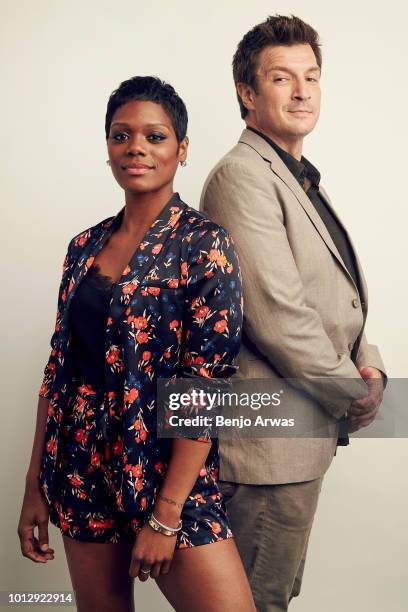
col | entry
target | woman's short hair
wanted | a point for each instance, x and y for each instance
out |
(275, 30)
(149, 89)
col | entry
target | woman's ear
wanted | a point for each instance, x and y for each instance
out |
(182, 150)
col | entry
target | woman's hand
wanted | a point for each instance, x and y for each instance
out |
(151, 550)
(34, 512)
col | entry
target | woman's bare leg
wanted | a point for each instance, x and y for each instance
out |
(207, 578)
(100, 575)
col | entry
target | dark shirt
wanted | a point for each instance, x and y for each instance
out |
(89, 313)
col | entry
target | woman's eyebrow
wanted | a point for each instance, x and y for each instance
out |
(148, 125)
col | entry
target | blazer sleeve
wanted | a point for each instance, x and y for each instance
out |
(213, 309)
(278, 320)
(51, 366)
(213, 315)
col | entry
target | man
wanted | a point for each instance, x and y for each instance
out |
(305, 302)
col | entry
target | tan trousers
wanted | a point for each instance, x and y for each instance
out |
(271, 525)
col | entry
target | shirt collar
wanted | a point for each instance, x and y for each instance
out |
(299, 169)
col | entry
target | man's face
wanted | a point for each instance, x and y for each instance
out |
(287, 102)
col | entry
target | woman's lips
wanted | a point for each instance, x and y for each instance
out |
(137, 170)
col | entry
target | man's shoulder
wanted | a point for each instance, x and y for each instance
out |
(240, 166)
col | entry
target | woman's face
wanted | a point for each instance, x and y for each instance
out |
(143, 148)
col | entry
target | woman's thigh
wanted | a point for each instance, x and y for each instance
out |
(207, 578)
(100, 575)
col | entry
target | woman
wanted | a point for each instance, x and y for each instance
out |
(153, 292)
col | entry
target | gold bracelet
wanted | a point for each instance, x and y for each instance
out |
(160, 528)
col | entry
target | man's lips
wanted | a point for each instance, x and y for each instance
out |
(300, 110)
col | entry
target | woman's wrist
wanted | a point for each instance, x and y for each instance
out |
(168, 510)
(32, 480)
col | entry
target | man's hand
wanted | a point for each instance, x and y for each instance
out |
(363, 412)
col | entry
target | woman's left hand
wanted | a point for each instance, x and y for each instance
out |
(153, 551)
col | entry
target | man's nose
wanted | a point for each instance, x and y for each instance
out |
(301, 91)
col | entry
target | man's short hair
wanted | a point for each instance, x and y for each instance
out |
(276, 30)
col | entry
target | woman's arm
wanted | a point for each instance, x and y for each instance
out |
(212, 324)
(34, 510)
(187, 459)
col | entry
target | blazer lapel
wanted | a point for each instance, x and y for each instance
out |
(143, 258)
(278, 167)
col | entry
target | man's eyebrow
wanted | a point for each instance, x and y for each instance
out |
(149, 125)
(286, 69)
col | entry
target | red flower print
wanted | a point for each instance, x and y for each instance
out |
(75, 481)
(137, 470)
(118, 447)
(113, 355)
(173, 283)
(131, 395)
(146, 355)
(143, 503)
(201, 312)
(143, 434)
(159, 467)
(213, 255)
(220, 326)
(154, 290)
(129, 288)
(80, 435)
(174, 324)
(216, 527)
(89, 262)
(140, 323)
(142, 337)
(157, 248)
(184, 268)
(139, 485)
(82, 239)
(95, 459)
(52, 446)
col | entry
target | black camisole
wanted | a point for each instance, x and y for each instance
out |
(88, 318)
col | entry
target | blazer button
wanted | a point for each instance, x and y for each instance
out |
(350, 346)
(355, 303)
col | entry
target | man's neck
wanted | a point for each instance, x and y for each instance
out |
(291, 146)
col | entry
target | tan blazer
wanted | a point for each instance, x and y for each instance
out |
(302, 309)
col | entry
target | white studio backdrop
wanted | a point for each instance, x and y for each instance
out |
(60, 60)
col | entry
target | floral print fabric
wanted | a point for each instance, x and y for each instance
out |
(176, 311)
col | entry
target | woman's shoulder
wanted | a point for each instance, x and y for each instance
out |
(199, 224)
(78, 241)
